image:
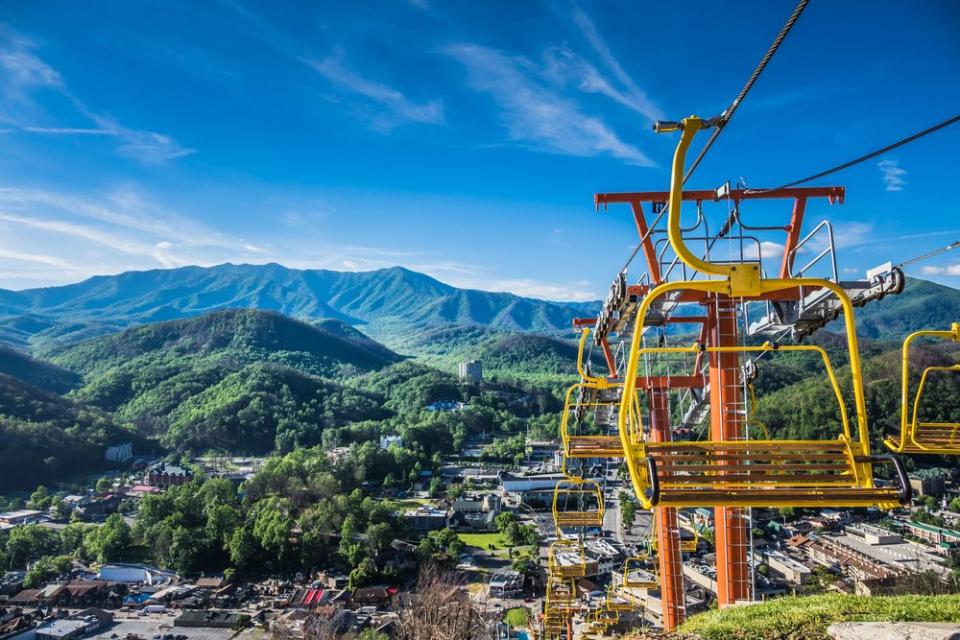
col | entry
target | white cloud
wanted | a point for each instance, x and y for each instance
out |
(565, 292)
(395, 107)
(23, 72)
(38, 258)
(537, 114)
(633, 96)
(768, 250)
(892, 175)
(850, 234)
(948, 270)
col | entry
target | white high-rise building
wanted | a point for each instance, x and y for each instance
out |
(470, 371)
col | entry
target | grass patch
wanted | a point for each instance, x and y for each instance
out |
(807, 617)
(517, 617)
(411, 504)
(484, 541)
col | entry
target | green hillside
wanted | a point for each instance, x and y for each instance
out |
(807, 617)
(45, 437)
(36, 372)
(922, 305)
(237, 380)
(795, 399)
(327, 348)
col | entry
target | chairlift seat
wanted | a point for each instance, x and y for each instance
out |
(771, 473)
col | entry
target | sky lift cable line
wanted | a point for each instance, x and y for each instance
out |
(865, 157)
(728, 113)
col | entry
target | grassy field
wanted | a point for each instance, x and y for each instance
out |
(517, 617)
(411, 504)
(807, 618)
(484, 540)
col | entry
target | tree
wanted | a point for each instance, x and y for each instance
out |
(379, 537)
(955, 505)
(40, 498)
(108, 542)
(104, 484)
(242, 547)
(628, 509)
(504, 520)
(363, 574)
(440, 608)
(45, 568)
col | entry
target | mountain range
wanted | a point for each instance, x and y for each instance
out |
(390, 305)
(252, 359)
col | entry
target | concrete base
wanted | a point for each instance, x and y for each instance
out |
(894, 631)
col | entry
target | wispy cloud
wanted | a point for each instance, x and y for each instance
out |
(38, 258)
(23, 73)
(892, 175)
(631, 95)
(535, 113)
(946, 270)
(123, 218)
(394, 108)
(383, 106)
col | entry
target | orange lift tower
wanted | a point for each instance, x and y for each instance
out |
(729, 471)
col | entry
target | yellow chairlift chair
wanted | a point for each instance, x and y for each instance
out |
(918, 436)
(614, 600)
(689, 537)
(566, 559)
(590, 395)
(749, 473)
(640, 572)
(577, 503)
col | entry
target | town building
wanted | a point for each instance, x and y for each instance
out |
(119, 453)
(505, 584)
(67, 629)
(786, 568)
(425, 519)
(10, 519)
(163, 475)
(470, 371)
(933, 534)
(388, 441)
(928, 482)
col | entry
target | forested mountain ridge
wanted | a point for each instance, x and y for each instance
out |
(44, 435)
(389, 304)
(325, 348)
(41, 374)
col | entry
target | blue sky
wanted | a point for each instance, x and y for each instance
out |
(465, 140)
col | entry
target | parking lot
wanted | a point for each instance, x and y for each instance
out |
(158, 626)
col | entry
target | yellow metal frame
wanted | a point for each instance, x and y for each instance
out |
(913, 433)
(687, 545)
(561, 597)
(743, 281)
(566, 546)
(629, 566)
(577, 488)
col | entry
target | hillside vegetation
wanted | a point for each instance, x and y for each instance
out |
(37, 372)
(807, 617)
(45, 436)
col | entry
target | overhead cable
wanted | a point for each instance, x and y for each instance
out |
(865, 157)
(728, 113)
